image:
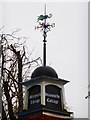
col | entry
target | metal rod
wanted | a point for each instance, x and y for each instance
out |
(44, 35)
(44, 54)
(45, 13)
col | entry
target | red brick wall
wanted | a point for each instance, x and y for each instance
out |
(43, 117)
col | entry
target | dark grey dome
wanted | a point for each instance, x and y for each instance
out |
(44, 71)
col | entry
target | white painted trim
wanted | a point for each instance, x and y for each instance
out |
(43, 93)
(59, 116)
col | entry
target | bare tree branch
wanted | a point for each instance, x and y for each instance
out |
(16, 67)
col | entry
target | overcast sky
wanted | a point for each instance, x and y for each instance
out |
(67, 43)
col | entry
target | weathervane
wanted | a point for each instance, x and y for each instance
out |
(44, 27)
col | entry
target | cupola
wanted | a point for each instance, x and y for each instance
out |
(44, 97)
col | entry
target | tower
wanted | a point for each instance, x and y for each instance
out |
(45, 98)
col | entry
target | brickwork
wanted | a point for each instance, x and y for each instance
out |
(43, 117)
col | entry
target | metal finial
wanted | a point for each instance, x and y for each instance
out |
(44, 35)
(45, 27)
(45, 13)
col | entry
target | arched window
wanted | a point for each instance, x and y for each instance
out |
(34, 97)
(53, 97)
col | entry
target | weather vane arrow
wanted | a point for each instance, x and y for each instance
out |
(44, 27)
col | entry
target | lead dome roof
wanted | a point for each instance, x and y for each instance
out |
(44, 71)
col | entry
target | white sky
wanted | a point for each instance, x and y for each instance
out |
(67, 43)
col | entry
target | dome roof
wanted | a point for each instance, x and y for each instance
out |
(44, 71)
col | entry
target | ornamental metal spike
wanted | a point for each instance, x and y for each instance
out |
(45, 27)
(45, 13)
(44, 44)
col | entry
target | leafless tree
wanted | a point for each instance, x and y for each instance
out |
(16, 67)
